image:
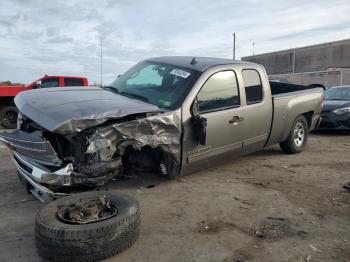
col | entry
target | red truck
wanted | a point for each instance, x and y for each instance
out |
(8, 110)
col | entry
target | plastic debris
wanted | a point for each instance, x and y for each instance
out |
(308, 258)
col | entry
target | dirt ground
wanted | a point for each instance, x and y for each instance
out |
(264, 207)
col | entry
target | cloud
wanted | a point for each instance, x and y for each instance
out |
(63, 37)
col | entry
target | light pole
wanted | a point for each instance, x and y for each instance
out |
(234, 47)
(101, 62)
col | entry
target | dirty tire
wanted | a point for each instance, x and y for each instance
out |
(58, 241)
(291, 146)
(8, 117)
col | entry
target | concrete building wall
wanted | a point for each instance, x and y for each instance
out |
(326, 78)
(320, 57)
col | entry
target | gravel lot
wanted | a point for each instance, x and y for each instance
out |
(264, 207)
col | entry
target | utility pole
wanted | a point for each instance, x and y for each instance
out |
(101, 62)
(234, 47)
(253, 48)
(293, 60)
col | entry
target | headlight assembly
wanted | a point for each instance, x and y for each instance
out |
(341, 111)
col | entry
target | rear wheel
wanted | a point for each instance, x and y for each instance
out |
(297, 137)
(8, 117)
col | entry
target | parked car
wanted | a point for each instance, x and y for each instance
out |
(336, 110)
(8, 110)
(171, 115)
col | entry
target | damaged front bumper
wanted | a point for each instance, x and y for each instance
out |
(48, 162)
(35, 160)
(33, 176)
(33, 171)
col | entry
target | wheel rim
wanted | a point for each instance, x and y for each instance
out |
(10, 118)
(87, 211)
(299, 134)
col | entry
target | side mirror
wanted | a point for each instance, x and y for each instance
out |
(199, 124)
(37, 84)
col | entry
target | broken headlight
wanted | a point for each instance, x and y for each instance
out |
(101, 146)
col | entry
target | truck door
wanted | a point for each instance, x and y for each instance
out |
(218, 101)
(257, 112)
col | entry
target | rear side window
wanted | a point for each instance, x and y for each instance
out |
(253, 86)
(73, 82)
(49, 82)
(220, 91)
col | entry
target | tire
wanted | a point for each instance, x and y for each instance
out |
(59, 241)
(8, 117)
(298, 132)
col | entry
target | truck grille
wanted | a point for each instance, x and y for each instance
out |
(32, 145)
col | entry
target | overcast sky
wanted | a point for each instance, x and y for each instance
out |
(40, 37)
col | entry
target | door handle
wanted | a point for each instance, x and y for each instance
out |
(236, 119)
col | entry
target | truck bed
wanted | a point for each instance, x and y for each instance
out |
(290, 101)
(11, 91)
(278, 88)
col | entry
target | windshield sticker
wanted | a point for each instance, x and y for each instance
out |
(164, 102)
(180, 73)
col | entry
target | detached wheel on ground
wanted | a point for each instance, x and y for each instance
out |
(297, 137)
(8, 117)
(87, 226)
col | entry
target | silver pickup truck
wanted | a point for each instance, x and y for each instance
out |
(171, 115)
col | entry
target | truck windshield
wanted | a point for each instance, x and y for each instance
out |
(163, 85)
(340, 93)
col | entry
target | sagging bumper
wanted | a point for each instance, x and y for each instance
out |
(36, 171)
(35, 175)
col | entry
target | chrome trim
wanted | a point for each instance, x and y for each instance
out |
(40, 192)
(41, 151)
(39, 175)
(213, 152)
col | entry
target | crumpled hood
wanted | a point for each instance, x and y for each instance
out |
(330, 105)
(72, 109)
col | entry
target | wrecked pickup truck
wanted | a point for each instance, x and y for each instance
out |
(171, 115)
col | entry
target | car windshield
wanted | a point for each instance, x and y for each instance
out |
(338, 93)
(160, 84)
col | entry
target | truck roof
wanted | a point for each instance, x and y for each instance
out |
(79, 77)
(202, 63)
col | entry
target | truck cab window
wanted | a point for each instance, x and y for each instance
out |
(220, 91)
(73, 82)
(49, 82)
(253, 86)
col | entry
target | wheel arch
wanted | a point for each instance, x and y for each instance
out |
(308, 116)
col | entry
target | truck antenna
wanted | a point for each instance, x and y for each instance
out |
(193, 61)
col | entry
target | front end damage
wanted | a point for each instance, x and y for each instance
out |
(51, 163)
